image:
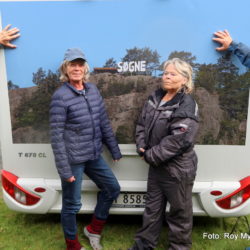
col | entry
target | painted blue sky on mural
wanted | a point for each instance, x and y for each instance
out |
(105, 29)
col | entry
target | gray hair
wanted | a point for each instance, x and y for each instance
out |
(63, 71)
(185, 70)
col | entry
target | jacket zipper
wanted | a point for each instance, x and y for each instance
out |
(92, 122)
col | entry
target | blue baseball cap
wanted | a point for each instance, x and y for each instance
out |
(73, 54)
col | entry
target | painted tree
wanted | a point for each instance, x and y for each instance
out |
(110, 63)
(143, 54)
(11, 85)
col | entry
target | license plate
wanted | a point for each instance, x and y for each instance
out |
(130, 200)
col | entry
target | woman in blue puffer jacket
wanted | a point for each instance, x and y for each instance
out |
(79, 127)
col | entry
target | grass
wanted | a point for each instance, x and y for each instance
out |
(39, 232)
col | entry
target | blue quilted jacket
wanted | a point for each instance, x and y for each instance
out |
(79, 126)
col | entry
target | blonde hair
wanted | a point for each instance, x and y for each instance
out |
(185, 70)
(63, 71)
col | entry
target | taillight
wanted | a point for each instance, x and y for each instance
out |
(9, 182)
(216, 193)
(238, 197)
(40, 189)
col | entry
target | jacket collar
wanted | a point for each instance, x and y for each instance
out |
(79, 92)
(159, 94)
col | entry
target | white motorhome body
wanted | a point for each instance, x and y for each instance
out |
(31, 184)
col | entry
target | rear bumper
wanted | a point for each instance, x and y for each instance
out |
(203, 202)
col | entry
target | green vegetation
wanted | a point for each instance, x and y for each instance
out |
(34, 111)
(208, 139)
(224, 79)
(39, 232)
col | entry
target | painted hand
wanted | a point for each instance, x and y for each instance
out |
(224, 38)
(6, 35)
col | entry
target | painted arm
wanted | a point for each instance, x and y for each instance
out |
(239, 49)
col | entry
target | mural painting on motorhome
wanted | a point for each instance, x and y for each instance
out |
(126, 55)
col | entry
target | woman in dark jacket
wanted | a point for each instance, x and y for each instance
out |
(79, 126)
(165, 136)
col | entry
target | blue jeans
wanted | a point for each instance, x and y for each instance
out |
(99, 172)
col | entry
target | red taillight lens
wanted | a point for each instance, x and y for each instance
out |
(238, 197)
(9, 182)
(216, 193)
(40, 189)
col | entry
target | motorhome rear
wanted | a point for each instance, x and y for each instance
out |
(125, 62)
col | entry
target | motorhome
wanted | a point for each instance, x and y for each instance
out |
(28, 76)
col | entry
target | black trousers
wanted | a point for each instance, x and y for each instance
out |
(161, 189)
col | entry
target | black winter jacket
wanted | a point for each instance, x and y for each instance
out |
(79, 125)
(167, 133)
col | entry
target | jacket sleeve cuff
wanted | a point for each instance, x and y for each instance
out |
(66, 177)
(141, 154)
(233, 46)
(117, 156)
